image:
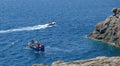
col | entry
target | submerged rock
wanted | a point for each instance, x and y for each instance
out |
(109, 29)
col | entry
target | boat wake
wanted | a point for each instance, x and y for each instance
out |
(36, 27)
(56, 49)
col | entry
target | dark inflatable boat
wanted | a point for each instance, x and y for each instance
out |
(40, 47)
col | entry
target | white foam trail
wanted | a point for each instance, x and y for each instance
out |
(37, 27)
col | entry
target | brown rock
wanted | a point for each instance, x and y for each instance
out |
(99, 61)
(57, 63)
(109, 29)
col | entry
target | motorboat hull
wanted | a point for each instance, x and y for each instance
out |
(37, 49)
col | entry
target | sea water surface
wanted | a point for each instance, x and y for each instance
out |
(24, 20)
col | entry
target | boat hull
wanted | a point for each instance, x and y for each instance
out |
(37, 49)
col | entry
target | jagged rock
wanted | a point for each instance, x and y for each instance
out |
(57, 63)
(109, 29)
(98, 61)
(116, 12)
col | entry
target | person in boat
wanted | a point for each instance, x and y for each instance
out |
(39, 45)
(32, 43)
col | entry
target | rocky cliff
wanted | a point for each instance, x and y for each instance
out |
(99, 61)
(109, 29)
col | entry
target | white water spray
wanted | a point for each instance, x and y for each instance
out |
(36, 27)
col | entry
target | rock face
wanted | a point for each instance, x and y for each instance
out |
(99, 61)
(109, 29)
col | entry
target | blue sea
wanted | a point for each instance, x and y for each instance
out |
(24, 20)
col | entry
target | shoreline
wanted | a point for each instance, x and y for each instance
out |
(98, 61)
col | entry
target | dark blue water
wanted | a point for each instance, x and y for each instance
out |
(20, 20)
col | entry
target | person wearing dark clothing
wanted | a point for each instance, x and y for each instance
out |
(32, 43)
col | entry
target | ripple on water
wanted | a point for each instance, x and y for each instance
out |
(20, 24)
